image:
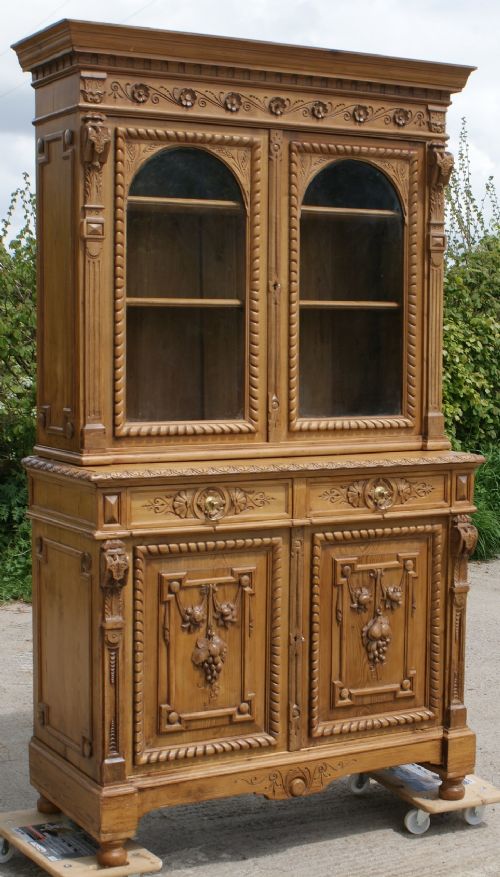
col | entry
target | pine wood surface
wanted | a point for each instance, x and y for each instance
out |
(250, 533)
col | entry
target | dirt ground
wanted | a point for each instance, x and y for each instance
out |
(331, 833)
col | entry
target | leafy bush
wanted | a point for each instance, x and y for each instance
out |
(471, 385)
(17, 391)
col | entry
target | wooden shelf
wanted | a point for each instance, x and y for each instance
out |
(185, 302)
(349, 305)
(354, 212)
(181, 205)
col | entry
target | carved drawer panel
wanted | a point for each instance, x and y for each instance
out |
(382, 493)
(210, 504)
(375, 629)
(208, 642)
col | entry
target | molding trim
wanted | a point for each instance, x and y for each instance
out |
(43, 464)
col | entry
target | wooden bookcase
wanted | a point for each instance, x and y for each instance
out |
(250, 532)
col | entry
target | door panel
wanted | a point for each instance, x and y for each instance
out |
(208, 648)
(375, 629)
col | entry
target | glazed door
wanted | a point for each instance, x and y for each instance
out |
(353, 317)
(375, 630)
(190, 286)
(208, 629)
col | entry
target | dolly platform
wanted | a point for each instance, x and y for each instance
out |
(420, 787)
(61, 848)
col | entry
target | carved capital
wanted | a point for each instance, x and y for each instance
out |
(441, 165)
(463, 537)
(114, 565)
(96, 142)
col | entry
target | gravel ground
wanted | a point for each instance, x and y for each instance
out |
(319, 835)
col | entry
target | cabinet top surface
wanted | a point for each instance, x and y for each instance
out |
(69, 36)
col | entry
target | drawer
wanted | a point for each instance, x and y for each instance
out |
(210, 504)
(341, 495)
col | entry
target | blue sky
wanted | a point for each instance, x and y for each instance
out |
(459, 31)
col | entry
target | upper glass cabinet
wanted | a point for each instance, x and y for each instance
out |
(186, 290)
(351, 294)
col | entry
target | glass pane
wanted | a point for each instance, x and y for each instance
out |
(186, 239)
(186, 173)
(352, 258)
(185, 363)
(185, 253)
(351, 183)
(350, 363)
(351, 244)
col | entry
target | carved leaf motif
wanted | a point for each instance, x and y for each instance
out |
(181, 504)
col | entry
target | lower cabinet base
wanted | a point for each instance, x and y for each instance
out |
(111, 813)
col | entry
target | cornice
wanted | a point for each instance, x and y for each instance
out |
(68, 37)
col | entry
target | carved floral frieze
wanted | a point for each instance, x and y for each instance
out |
(209, 503)
(389, 116)
(377, 493)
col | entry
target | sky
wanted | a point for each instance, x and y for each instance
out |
(455, 31)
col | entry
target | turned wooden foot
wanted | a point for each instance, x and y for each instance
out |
(43, 805)
(452, 789)
(111, 854)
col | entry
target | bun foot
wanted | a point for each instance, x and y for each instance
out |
(43, 805)
(111, 854)
(452, 789)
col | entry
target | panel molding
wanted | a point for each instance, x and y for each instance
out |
(144, 553)
(319, 728)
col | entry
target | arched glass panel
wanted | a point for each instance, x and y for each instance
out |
(186, 251)
(351, 294)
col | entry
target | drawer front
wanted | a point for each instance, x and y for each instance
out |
(210, 504)
(375, 629)
(340, 496)
(209, 641)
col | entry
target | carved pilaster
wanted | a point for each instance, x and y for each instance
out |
(440, 168)
(274, 283)
(114, 573)
(296, 642)
(463, 543)
(95, 140)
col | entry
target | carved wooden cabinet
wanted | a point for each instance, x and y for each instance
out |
(250, 532)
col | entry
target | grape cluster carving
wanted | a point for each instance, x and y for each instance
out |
(210, 651)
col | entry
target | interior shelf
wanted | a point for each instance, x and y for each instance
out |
(185, 302)
(349, 305)
(310, 210)
(179, 205)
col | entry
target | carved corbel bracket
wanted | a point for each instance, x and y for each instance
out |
(440, 170)
(96, 142)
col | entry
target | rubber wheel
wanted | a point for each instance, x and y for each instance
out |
(358, 783)
(474, 815)
(417, 821)
(6, 851)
